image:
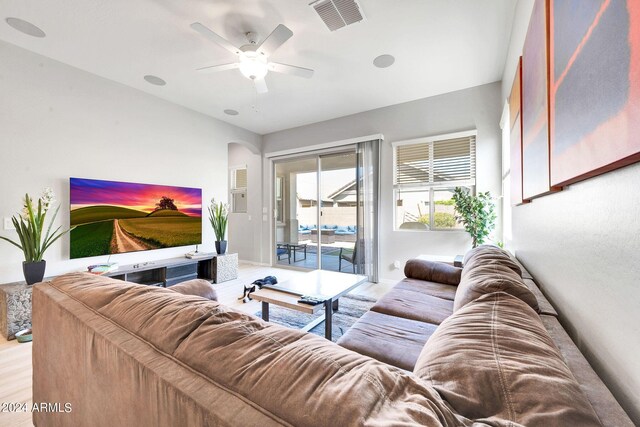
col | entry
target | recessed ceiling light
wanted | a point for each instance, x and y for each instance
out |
(231, 112)
(25, 27)
(384, 61)
(154, 80)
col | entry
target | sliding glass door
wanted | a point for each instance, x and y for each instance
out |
(326, 210)
(338, 212)
(296, 212)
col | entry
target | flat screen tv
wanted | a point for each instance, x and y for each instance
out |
(116, 217)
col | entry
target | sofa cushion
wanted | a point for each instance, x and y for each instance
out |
(389, 339)
(493, 359)
(604, 404)
(197, 287)
(414, 305)
(544, 305)
(488, 277)
(344, 232)
(484, 253)
(432, 271)
(434, 289)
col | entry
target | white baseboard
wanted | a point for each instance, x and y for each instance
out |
(259, 264)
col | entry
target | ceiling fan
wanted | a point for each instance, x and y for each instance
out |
(254, 58)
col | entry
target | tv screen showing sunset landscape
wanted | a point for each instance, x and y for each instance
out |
(113, 217)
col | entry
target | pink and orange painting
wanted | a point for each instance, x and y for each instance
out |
(515, 114)
(535, 112)
(594, 87)
(113, 217)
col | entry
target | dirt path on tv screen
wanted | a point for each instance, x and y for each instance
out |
(126, 243)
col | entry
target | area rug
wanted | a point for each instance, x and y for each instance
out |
(351, 308)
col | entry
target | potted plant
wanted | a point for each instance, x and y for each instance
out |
(476, 213)
(33, 243)
(218, 215)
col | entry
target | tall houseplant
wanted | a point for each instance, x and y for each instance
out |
(32, 242)
(476, 213)
(218, 215)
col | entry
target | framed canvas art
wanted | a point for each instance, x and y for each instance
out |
(535, 108)
(515, 140)
(594, 87)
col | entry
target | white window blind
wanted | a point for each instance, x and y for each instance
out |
(239, 179)
(238, 190)
(436, 163)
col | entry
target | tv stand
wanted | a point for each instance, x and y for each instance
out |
(169, 272)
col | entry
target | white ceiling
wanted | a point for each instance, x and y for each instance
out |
(439, 45)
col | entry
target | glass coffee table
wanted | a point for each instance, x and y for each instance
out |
(330, 285)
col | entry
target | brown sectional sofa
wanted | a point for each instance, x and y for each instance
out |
(130, 355)
(423, 325)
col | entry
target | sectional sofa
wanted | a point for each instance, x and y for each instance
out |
(487, 339)
(130, 355)
(343, 233)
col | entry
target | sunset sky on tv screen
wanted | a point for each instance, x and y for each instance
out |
(142, 197)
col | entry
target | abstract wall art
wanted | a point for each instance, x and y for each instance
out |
(515, 150)
(535, 107)
(594, 87)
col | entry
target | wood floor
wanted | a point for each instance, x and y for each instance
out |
(15, 359)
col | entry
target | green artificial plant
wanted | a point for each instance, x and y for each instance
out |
(30, 226)
(218, 215)
(476, 213)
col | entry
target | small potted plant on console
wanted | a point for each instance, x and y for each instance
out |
(218, 215)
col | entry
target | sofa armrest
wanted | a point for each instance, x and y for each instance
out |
(197, 287)
(432, 271)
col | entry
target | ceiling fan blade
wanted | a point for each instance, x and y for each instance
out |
(215, 38)
(276, 39)
(216, 68)
(260, 85)
(291, 69)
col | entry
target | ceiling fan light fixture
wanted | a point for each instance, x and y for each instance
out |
(253, 66)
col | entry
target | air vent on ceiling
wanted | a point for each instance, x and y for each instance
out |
(338, 13)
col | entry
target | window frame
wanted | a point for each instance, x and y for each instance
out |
(233, 190)
(432, 187)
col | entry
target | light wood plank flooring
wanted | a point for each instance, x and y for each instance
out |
(15, 359)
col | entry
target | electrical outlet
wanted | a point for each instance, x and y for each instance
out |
(8, 224)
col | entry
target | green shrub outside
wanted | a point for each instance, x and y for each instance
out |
(442, 220)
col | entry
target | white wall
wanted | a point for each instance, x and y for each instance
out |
(58, 122)
(475, 108)
(521, 17)
(582, 246)
(245, 229)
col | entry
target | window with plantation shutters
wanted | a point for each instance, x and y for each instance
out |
(426, 171)
(238, 190)
(239, 179)
(436, 162)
